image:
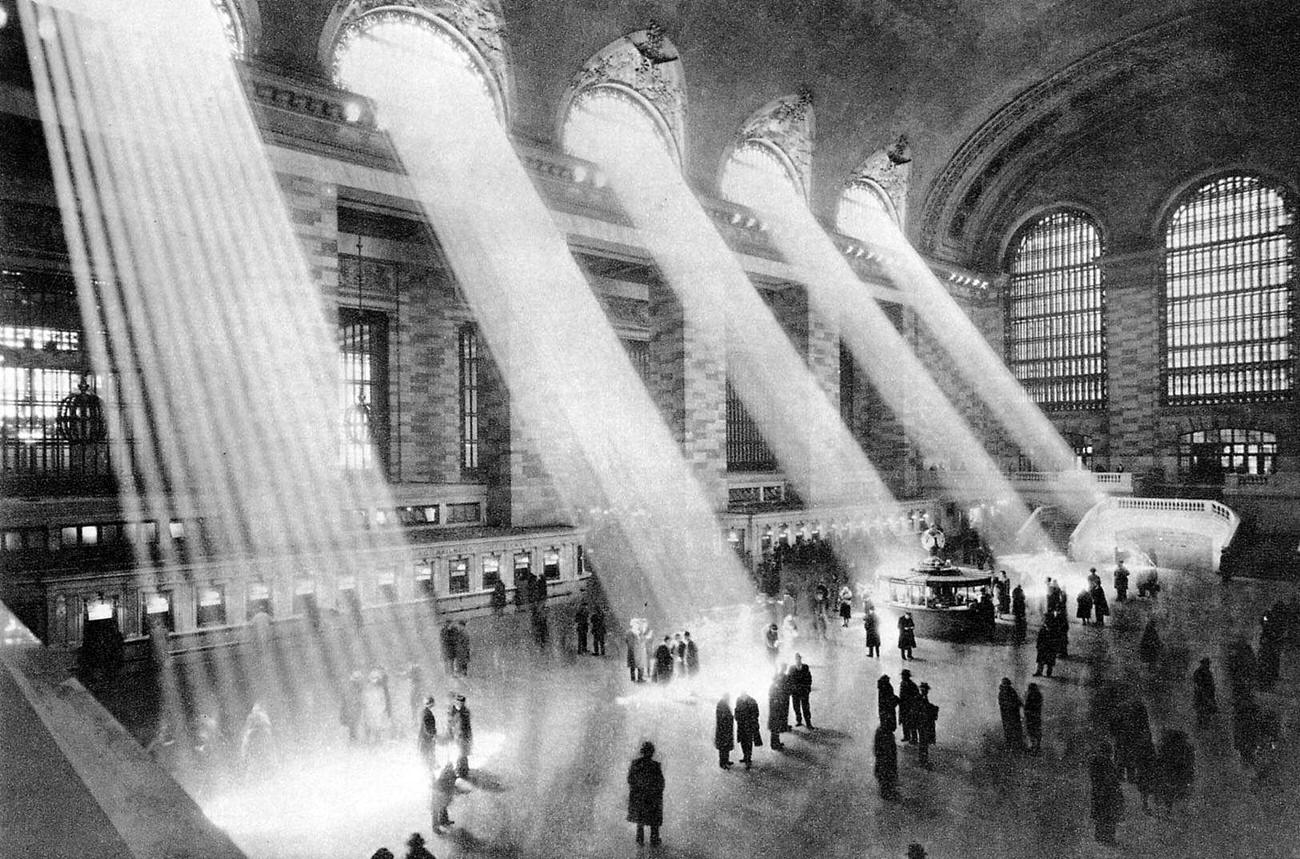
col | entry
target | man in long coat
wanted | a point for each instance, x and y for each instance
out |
(908, 696)
(1046, 651)
(1203, 696)
(645, 794)
(663, 670)
(1018, 614)
(724, 732)
(747, 728)
(871, 625)
(927, 717)
(800, 689)
(428, 736)
(1107, 796)
(1009, 706)
(887, 703)
(582, 620)
(778, 708)
(462, 734)
(906, 635)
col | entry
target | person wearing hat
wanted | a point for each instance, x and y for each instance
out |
(444, 790)
(645, 794)
(428, 735)
(462, 734)
(908, 697)
(1203, 697)
(415, 848)
(927, 715)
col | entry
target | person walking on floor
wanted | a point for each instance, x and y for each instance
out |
(1084, 611)
(462, 734)
(440, 797)
(906, 635)
(582, 620)
(1121, 582)
(1045, 648)
(1203, 696)
(724, 731)
(1009, 706)
(663, 670)
(692, 656)
(415, 848)
(871, 624)
(908, 695)
(1021, 627)
(747, 731)
(887, 703)
(645, 794)
(1100, 607)
(800, 688)
(927, 717)
(1107, 796)
(846, 606)
(598, 631)
(462, 650)
(772, 640)
(778, 709)
(886, 769)
(1176, 766)
(1034, 717)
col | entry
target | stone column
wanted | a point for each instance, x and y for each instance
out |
(1132, 283)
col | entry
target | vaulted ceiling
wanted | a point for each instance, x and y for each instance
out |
(1009, 104)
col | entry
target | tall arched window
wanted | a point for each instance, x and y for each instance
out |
(1229, 269)
(1055, 336)
(369, 49)
(862, 202)
(753, 170)
(597, 112)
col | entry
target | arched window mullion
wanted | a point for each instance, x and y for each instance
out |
(1054, 311)
(1228, 275)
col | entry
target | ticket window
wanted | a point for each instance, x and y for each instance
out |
(491, 572)
(304, 598)
(211, 606)
(523, 564)
(458, 575)
(424, 579)
(349, 596)
(387, 581)
(551, 564)
(102, 610)
(158, 611)
(259, 600)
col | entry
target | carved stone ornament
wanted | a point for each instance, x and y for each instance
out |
(481, 22)
(788, 124)
(889, 167)
(646, 62)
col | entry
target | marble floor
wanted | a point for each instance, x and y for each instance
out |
(554, 734)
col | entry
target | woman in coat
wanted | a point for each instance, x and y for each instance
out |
(778, 708)
(906, 634)
(724, 732)
(1009, 706)
(871, 625)
(887, 703)
(1034, 717)
(1084, 607)
(645, 794)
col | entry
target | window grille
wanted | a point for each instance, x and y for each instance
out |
(1205, 456)
(363, 356)
(469, 397)
(746, 449)
(860, 207)
(1055, 304)
(1228, 275)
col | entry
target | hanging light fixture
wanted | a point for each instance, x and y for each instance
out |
(356, 419)
(80, 418)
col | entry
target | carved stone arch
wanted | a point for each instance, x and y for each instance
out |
(246, 17)
(478, 24)
(645, 64)
(888, 170)
(787, 126)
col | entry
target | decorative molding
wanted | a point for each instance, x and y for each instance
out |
(1029, 114)
(645, 62)
(890, 168)
(479, 22)
(789, 124)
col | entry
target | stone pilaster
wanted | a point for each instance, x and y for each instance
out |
(1133, 360)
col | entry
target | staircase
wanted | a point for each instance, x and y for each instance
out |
(1176, 532)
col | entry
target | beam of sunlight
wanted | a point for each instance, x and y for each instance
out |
(886, 358)
(795, 415)
(981, 367)
(571, 383)
(197, 302)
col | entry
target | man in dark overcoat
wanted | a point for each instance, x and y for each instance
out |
(778, 708)
(800, 689)
(1046, 651)
(645, 794)
(582, 620)
(908, 695)
(724, 731)
(927, 717)
(1203, 695)
(747, 728)
(462, 734)
(887, 703)
(598, 631)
